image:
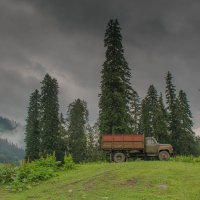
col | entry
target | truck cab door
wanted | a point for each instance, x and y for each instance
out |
(151, 145)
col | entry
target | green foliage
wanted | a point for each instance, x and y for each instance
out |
(45, 130)
(7, 173)
(63, 138)
(170, 93)
(180, 121)
(48, 161)
(135, 111)
(114, 114)
(161, 122)
(171, 110)
(77, 118)
(49, 116)
(68, 162)
(148, 112)
(27, 174)
(32, 132)
(190, 159)
(185, 134)
(93, 145)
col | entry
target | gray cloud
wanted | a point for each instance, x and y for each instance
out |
(65, 39)
(15, 136)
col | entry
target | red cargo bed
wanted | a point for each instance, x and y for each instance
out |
(123, 142)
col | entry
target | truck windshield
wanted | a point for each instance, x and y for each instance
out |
(154, 140)
(151, 141)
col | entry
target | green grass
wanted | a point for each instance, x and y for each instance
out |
(142, 180)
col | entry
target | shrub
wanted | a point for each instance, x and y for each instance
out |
(68, 162)
(49, 161)
(7, 173)
(18, 178)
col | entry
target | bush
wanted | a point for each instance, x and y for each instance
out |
(49, 161)
(68, 162)
(7, 173)
(18, 178)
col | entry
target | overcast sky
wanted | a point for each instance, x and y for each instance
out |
(65, 39)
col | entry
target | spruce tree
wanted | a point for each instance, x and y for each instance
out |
(77, 118)
(171, 110)
(186, 136)
(32, 132)
(161, 122)
(114, 112)
(49, 121)
(148, 112)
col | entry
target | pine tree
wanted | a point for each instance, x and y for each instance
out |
(186, 136)
(171, 110)
(135, 111)
(32, 132)
(77, 118)
(161, 122)
(49, 121)
(114, 114)
(63, 138)
(148, 112)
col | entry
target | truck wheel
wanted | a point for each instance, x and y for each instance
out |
(119, 157)
(163, 155)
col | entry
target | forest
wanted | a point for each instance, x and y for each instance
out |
(121, 111)
(10, 153)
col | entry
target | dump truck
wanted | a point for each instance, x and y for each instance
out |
(122, 147)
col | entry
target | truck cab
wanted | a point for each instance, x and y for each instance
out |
(153, 148)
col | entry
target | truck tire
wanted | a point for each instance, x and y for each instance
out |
(163, 155)
(119, 157)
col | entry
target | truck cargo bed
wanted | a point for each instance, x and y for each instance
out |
(123, 142)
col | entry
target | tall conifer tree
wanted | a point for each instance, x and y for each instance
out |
(148, 112)
(77, 118)
(32, 132)
(161, 122)
(171, 110)
(49, 121)
(114, 115)
(186, 136)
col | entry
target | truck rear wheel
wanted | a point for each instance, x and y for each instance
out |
(163, 155)
(119, 157)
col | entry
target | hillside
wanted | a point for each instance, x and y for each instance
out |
(142, 180)
(10, 152)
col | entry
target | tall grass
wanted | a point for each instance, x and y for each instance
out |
(189, 159)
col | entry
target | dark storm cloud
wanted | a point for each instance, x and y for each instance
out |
(65, 39)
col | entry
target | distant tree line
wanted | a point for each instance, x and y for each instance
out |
(9, 152)
(120, 112)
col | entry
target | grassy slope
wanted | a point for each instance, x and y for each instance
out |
(150, 180)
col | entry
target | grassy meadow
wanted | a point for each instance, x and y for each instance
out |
(141, 180)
